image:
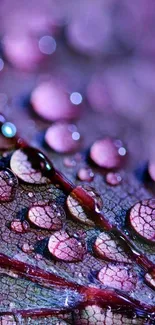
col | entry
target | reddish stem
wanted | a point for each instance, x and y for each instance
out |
(104, 297)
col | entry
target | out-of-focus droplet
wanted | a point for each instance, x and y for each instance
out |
(66, 248)
(8, 185)
(142, 219)
(8, 129)
(51, 102)
(85, 174)
(106, 154)
(76, 98)
(47, 44)
(49, 216)
(69, 162)
(113, 178)
(62, 137)
(22, 51)
(1, 64)
(108, 248)
(151, 170)
(98, 95)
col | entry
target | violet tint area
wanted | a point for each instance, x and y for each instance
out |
(77, 162)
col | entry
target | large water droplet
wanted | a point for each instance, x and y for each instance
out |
(85, 174)
(142, 219)
(63, 137)
(49, 216)
(31, 166)
(105, 153)
(77, 210)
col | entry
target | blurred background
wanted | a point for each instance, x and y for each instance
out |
(100, 53)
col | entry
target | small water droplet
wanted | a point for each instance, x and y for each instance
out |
(30, 194)
(69, 162)
(26, 248)
(113, 178)
(63, 137)
(85, 174)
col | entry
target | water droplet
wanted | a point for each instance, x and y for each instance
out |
(8, 185)
(151, 170)
(49, 216)
(107, 248)
(77, 210)
(61, 138)
(22, 52)
(18, 226)
(26, 248)
(52, 102)
(66, 248)
(85, 174)
(106, 154)
(69, 162)
(142, 219)
(113, 178)
(47, 44)
(31, 166)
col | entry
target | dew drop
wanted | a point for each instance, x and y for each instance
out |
(105, 153)
(142, 219)
(62, 137)
(66, 248)
(26, 248)
(19, 226)
(85, 174)
(113, 178)
(151, 170)
(69, 162)
(49, 216)
(108, 248)
(77, 210)
(31, 166)
(51, 102)
(8, 185)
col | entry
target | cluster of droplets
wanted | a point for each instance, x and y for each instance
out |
(31, 166)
